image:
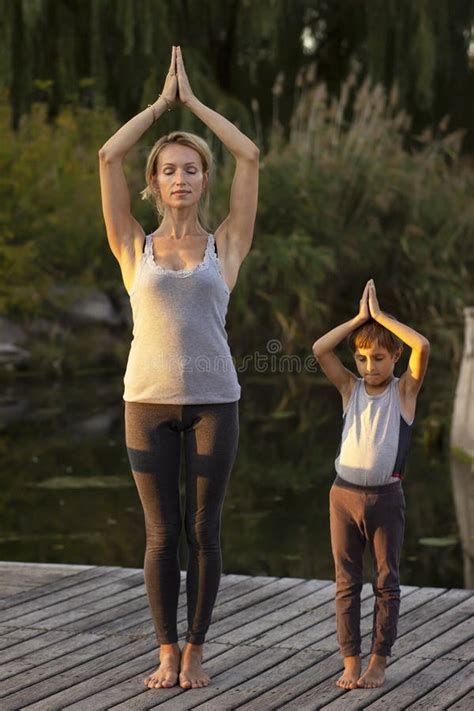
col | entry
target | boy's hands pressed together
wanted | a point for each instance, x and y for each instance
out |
(374, 307)
(364, 312)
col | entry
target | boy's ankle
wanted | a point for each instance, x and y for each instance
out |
(351, 659)
(378, 659)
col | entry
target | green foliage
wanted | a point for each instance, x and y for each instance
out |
(351, 194)
(51, 226)
(350, 200)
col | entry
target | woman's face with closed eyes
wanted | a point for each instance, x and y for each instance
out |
(180, 178)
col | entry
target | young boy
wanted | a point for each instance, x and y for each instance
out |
(367, 503)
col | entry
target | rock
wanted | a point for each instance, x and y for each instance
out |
(92, 306)
(11, 332)
(98, 425)
(10, 354)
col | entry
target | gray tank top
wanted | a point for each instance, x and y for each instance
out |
(179, 352)
(375, 437)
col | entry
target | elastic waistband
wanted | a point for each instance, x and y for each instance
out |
(380, 489)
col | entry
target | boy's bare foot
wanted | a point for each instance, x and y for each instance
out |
(374, 675)
(166, 675)
(351, 673)
(192, 675)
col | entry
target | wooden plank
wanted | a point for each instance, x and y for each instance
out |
(292, 619)
(266, 682)
(434, 608)
(309, 627)
(400, 671)
(234, 675)
(464, 704)
(259, 594)
(429, 678)
(16, 576)
(35, 645)
(134, 618)
(100, 690)
(448, 692)
(63, 589)
(424, 638)
(69, 581)
(284, 694)
(321, 634)
(85, 606)
(65, 671)
(261, 617)
(300, 632)
(48, 653)
(326, 695)
(217, 666)
(10, 636)
(465, 652)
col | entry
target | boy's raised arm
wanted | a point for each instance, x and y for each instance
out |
(323, 349)
(412, 379)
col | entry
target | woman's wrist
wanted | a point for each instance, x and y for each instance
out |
(192, 101)
(159, 106)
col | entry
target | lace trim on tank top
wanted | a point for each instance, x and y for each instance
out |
(204, 264)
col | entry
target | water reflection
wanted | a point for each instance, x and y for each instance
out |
(68, 495)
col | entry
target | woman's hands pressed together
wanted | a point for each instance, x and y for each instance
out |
(170, 87)
(177, 86)
(184, 87)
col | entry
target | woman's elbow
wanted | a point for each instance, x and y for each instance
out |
(255, 152)
(252, 154)
(106, 156)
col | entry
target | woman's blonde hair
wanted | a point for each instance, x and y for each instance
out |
(185, 139)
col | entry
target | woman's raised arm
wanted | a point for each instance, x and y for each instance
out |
(124, 233)
(234, 236)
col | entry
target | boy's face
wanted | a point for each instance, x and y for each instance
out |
(375, 364)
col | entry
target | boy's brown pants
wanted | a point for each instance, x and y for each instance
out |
(360, 515)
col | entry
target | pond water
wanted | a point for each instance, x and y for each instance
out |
(67, 495)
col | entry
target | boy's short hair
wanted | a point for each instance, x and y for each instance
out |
(372, 332)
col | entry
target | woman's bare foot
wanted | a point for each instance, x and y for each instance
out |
(374, 675)
(351, 673)
(166, 675)
(192, 675)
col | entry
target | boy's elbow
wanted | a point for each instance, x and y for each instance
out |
(425, 345)
(316, 350)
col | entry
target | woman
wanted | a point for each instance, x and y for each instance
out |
(180, 382)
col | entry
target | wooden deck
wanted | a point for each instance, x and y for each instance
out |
(80, 637)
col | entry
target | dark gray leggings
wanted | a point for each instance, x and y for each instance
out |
(153, 436)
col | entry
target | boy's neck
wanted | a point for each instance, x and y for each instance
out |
(378, 389)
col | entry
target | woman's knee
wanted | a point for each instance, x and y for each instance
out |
(163, 538)
(203, 535)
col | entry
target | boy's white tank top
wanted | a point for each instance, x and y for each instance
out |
(375, 437)
(179, 352)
